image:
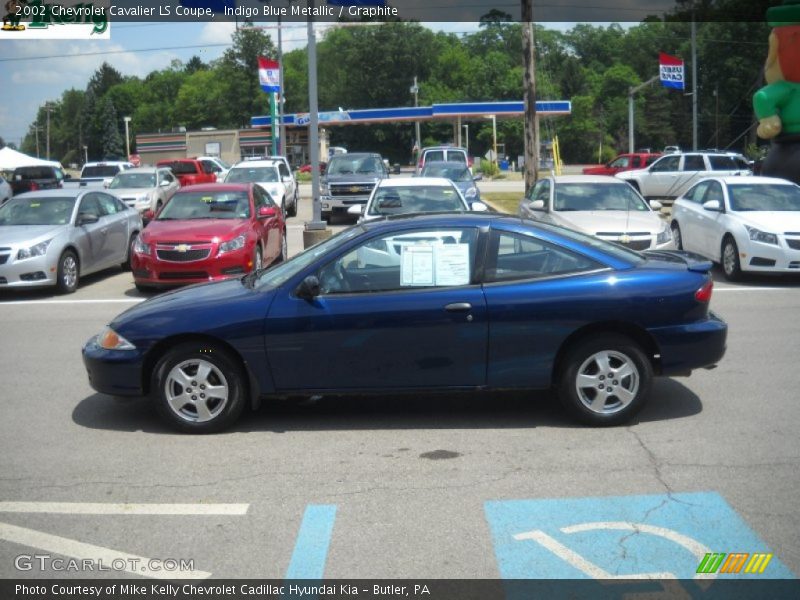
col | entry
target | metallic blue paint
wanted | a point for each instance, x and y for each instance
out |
(405, 340)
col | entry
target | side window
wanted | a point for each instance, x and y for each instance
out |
(404, 260)
(668, 163)
(697, 192)
(693, 162)
(513, 256)
(714, 192)
(91, 205)
(284, 171)
(621, 163)
(543, 193)
(108, 204)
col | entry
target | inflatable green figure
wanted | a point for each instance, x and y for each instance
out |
(777, 105)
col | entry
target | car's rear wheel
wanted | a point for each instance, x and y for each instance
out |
(293, 208)
(284, 249)
(199, 388)
(68, 273)
(730, 259)
(126, 266)
(676, 236)
(605, 380)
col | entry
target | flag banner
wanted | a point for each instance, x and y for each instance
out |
(671, 71)
(269, 74)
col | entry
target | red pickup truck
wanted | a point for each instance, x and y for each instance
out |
(188, 171)
(623, 162)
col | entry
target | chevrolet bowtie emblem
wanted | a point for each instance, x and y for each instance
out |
(183, 247)
(355, 188)
(625, 238)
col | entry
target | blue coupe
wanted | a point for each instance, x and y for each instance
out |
(435, 302)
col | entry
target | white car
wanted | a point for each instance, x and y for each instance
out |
(214, 164)
(271, 175)
(743, 223)
(598, 205)
(145, 188)
(5, 191)
(413, 195)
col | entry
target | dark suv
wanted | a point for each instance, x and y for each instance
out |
(40, 177)
(349, 179)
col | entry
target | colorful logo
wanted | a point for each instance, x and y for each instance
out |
(719, 562)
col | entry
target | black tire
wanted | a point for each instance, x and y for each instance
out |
(677, 238)
(178, 403)
(585, 359)
(126, 265)
(729, 259)
(327, 218)
(293, 208)
(68, 274)
(284, 249)
(143, 288)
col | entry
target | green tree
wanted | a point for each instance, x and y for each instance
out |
(111, 142)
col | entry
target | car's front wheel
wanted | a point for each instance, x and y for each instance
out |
(730, 260)
(676, 236)
(68, 273)
(605, 380)
(126, 266)
(199, 388)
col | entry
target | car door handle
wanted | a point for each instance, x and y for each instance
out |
(458, 307)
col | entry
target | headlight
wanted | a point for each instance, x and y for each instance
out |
(234, 244)
(139, 247)
(759, 236)
(664, 235)
(323, 189)
(37, 250)
(111, 340)
(471, 192)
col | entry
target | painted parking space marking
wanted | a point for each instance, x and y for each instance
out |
(621, 537)
(313, 539)
(97, 508)
(129, 563)
(88, 301)
(116, 559)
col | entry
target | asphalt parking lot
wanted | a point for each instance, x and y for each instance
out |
(445, 486)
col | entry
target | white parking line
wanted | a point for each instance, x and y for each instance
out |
(130, 563)
(96, 508)
(753, 289)
(92, 301)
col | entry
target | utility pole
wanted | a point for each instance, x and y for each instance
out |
(631, 92)
(418, 144)
(694, 83)
(37, 129)
(529, 83)
(48, 108)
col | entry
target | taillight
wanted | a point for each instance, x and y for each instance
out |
(34, 186)
(704, 293)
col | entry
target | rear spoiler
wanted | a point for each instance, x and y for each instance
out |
(694, 262)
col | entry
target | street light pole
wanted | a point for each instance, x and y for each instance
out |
(494, 138)
(415, 90)
(466, 144)
(48, 108)
(127, 138)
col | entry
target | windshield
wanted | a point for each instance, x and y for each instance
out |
(37, 211)
(348, 164)
(252, 175)
(400, 200)
(597, 196)
(133, 180)
(774, 196)
(206, 205)
(276, 276)
(100, 171)
(451, 172)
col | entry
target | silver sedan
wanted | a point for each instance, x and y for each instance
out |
(54, 237)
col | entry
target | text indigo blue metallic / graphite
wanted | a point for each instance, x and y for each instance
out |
(636, 315)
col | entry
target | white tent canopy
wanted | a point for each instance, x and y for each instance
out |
(11, 159)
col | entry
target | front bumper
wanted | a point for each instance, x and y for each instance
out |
(153, 272)
(113, 372)
(691, 346)
(331, 204)
(39, 271)
(758, 257)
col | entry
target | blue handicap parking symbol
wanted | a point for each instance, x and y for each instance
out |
(624, 537)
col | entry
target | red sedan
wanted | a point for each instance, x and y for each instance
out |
(209, 232)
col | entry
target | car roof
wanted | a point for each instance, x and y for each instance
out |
(58, 193)
(443, 147)
(757, 179)
(414, 181)
(143, 170)
(216, 187)
(587, 179)
(355, 155)
(261, 162)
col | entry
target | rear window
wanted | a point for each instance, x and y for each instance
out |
(434, 155)
(183, 168)
(100, 171)
(457, 156)
(27, 173)
(727, 163)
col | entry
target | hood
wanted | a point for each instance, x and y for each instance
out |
(130, 191)
(610, 220)
(598, 170)
(771, 221)
(193, 230)
(24, 234)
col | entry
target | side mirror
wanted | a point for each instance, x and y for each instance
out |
(712, 205)
(85, 218)
(655, 205)
(308, 288)
(355, 210)
(267, 211)
(164, 183)
(536, 205)
(478, 206)
(148, 215)
(287, 179)
(477, 178)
